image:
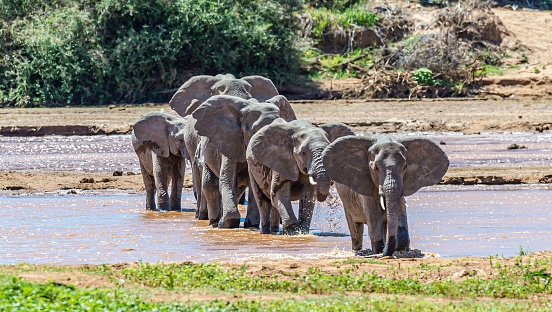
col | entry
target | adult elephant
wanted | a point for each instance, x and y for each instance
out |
(158, 139)
(229, 123)
(285, 164)
(373, 175)
(192, 94)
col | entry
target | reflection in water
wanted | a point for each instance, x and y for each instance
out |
(100, 229)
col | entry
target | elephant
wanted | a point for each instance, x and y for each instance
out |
(191, 95)
(158, 139)
(373, 175)
(229, 123)
(285, 164)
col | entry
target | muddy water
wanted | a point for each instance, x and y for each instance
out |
(453, 222)
(109, 153)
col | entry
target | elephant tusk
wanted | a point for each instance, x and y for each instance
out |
(382, 202)
(311, 180)
(404, 201)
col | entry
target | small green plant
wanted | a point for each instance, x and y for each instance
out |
(523, 252)
(424, 77)
(524, 58)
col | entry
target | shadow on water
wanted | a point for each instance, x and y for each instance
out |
(453, 222)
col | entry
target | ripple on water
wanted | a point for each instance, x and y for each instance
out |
(98, 229)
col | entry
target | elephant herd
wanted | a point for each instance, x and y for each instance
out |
(240, 133)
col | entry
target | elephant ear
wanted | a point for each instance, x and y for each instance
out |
(335, 130)
(347, 162)
(192, 94)
(286, 111)
(272, 146)
(262, 88)
(426, 162)
(219, 120)
(152, 130)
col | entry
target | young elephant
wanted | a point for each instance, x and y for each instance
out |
(158, 140)
(372, 175)
(285, 164)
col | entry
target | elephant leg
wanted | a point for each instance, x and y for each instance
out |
(403, 239)
(228, 190)
(263, 205)
(357, 231)
(306, 207)
(201, 204)
(211, 196)
(377, 224)
(160, 175)
(149, 184)
(274, 220)
(252, 218)
(354, 213)
(282, 202)
(178, 169)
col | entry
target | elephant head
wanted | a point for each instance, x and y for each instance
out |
(162, 133)
(386, 170)
(229, 121)
(199, 88)
(296, 147)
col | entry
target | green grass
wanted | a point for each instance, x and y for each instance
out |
(355, 16)
(517, 282)
(19, 295)
(326, 66)
(350, 289)
(492, 70)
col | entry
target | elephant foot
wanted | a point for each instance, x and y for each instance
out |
(390, 247)
(230, 220)
(176, 208)
(214, 223)
(202, 216)
(247, 224)
(293, 229)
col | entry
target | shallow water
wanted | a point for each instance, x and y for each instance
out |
(453, 222)
(102, 153)
(489, 149)
(97, 153)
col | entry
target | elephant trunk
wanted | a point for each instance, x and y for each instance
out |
(393, 194)
(319, 177)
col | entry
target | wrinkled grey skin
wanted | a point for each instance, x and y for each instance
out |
(189, 97)
(285, 164)
(369, 171)
(229, 123)
(158, 140)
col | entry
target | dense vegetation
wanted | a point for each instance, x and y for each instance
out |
(75, 52)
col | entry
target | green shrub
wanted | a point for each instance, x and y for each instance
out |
(424, 77)
(94, 52)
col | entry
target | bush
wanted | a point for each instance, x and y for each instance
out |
(94, 52)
